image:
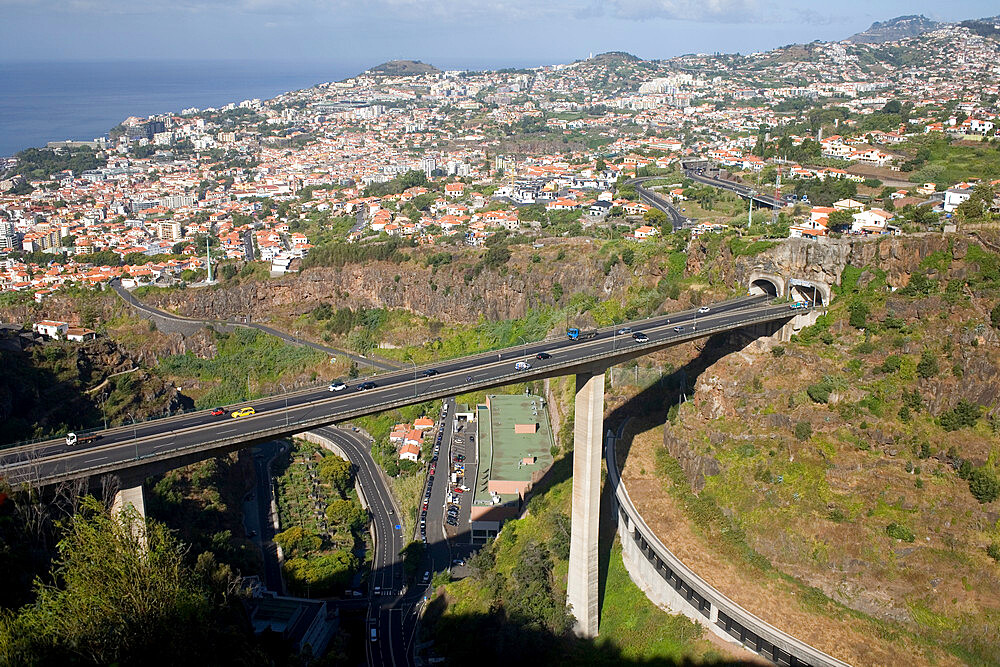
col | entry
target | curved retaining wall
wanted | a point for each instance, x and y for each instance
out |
(667, 581)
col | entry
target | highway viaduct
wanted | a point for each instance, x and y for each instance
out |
(136, 451)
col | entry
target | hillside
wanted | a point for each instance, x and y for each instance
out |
(893, 29)
(847, 478)
(402, 68)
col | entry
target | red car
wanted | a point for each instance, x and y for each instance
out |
(218, 412)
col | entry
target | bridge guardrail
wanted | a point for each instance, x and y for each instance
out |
(281, 430)
(314, 386)
(707, 601)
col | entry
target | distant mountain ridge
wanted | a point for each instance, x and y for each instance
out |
(403, 68)
(896, 28)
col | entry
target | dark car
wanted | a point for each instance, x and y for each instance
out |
(459, 457)
(640, 337)
(543, 355)
(430, 371)
(366, 385)
(218, 412)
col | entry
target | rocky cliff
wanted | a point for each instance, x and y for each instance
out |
(452, 293)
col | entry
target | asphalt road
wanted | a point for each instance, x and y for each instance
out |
(277, 416)
(741, 190)
(677, 219)
(149, 310)
(392, 609)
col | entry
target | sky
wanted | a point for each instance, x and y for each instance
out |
(447, 33)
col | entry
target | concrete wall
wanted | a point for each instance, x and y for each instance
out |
(667, 582)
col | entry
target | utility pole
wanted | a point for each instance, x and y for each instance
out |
(208, 256)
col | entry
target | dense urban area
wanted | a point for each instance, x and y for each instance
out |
(840, 483)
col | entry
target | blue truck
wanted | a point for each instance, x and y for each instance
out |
(581, 334)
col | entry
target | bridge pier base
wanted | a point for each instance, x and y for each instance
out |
(132, 498)
(581, 585)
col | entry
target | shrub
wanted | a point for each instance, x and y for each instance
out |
(803, 430)
(778, 350)
(820, 392)
(962, 415)
(995, 316)
(928, 366)
(993, 551)
(891, 364)
(859, 314)
(898, 532)
(984, 485)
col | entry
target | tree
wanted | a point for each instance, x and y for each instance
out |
(335, 471)
(859, 314)
(928, 365)
(346, 516)
(118, 601)
(983, 484)
(298, 541)
(655, 217)
(803, 430)
(995, 316)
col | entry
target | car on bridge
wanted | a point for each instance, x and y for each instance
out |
(244, 412)
(543, 355)
(218, 412)
(522, 366)
(678, 328)
(366, 385)
(703, 310)
(624, 330)
(640, 337)
(337, 386)
(430, 371)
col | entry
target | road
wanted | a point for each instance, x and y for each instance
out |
(738, 188)
(200, 434)
(295, 340)
(392, 609)
(677, 220)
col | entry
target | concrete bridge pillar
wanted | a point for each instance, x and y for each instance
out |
(134, 498)
(581, 585)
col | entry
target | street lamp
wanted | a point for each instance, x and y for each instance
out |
(284, 392)
(135, 435)
(525, 346)
(414, 377)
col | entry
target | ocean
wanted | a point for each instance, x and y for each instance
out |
(53, 101)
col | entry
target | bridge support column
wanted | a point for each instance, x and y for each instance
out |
(581, 585)
(135, 499)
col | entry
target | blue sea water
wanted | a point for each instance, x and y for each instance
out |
(53, 101)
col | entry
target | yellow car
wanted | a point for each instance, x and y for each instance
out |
(244, 412)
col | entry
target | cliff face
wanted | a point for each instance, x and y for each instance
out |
(446, 294)
(824, 261)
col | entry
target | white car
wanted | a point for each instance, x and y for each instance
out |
(522, 366)
(703, 310)
(337, 386)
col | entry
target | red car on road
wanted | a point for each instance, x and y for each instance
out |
(218, 412)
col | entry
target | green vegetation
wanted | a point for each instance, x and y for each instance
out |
(113, 600)
(319, 552)
(244, 358)
(41, 163)
(515, 603)
(339, 253)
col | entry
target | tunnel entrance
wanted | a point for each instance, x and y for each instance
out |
(764, 286)
(810, 293)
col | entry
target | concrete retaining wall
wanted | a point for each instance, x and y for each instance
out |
(666, 581)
